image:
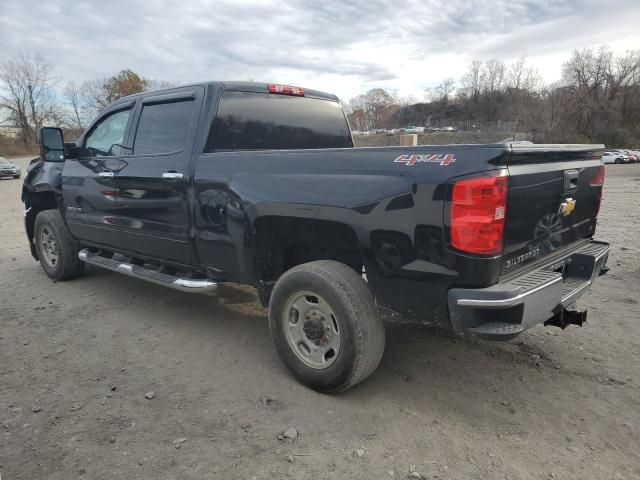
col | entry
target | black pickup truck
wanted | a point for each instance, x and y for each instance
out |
(260, 184)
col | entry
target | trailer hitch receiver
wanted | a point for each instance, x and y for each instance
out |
(567, 316)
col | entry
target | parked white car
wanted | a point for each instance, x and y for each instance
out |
(614, 157)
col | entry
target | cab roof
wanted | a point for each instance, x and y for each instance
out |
(234, 86)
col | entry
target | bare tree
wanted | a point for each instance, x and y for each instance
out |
(473, 80)
(27, 94)
(77, 116)
(368, 109)
(442, 92)
(520, 76)
(624, 72)
(375, 101)
(357, 116)
(589, 70)
(402, 100)
(97, 94)
(493, 76)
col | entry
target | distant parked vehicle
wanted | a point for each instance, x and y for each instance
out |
(9, 169)
(414, 129)
(614, 157)
(633, 156)
(448, 129)
(627, 158)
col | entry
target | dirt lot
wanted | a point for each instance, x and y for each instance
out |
(77, 358)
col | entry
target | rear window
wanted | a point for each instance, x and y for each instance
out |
(257, 121)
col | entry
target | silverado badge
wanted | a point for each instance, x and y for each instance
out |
(567, 207)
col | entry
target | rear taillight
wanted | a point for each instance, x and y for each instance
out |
(598, 181)
(478, 208)
(286, 90)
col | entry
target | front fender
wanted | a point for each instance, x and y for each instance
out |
(41, 190)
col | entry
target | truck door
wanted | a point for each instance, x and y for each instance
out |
(153, 212)
(88, 181)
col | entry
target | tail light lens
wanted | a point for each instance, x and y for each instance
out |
(598, 181)
(285, 90)
(478, 208)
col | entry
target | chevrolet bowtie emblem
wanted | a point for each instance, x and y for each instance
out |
(567, 207)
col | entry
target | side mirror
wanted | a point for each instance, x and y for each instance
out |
(51, 144)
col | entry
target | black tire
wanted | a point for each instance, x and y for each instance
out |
(66, 265)
(618, 161)
(362, 335)
(16, 176)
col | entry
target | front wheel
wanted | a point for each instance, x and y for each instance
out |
(325, 325)
(56, 248)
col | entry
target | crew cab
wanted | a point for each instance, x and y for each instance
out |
(260, 184)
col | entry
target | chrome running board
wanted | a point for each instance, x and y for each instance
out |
(137, 271)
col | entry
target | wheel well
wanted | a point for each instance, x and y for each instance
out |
(36, 203)
(284, 242)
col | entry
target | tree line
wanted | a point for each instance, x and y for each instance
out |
(31, 96)
(597, 99)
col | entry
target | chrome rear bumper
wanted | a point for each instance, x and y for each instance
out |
(506, 309)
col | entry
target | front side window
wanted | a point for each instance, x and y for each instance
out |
(108, 135)
(162, 128)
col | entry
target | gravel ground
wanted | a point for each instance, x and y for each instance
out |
(78, 360)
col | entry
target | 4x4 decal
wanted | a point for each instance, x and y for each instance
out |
(410, 160)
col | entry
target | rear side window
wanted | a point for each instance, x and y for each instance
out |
(162, 127)
(257, 121)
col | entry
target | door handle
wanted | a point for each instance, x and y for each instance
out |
(105, 174)
(172, 175)
(571, 180)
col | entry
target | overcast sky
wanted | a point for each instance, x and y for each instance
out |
(337, 46)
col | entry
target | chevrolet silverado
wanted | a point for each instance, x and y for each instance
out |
(260, 184)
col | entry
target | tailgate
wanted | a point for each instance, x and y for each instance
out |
(553, 201)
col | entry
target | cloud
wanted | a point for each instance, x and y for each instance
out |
(343, 47)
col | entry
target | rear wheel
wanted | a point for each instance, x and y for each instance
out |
(618, 160)
(325, 325)
(56, 249)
